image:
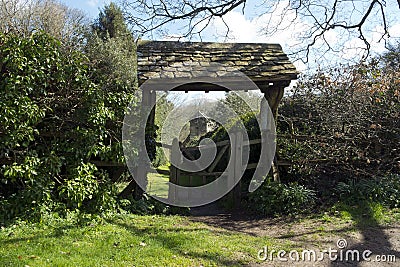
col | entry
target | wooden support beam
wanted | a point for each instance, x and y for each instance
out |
(274, 94)
(237, 192)
(176, 158)
(131, 188)
(148, 101)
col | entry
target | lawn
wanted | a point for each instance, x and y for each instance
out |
(129, 240)
(159, 240)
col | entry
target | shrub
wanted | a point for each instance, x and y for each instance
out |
(385, 190)
(274, 198)
(148, 205)
(347, 119)
(54, 121)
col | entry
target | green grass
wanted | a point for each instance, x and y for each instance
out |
(195, 180)
(133, 240)
(365, 213)
(129, 240)
(158, 185)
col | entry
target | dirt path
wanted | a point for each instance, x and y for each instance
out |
(316, 234)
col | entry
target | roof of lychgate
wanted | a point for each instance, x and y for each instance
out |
(175, 61)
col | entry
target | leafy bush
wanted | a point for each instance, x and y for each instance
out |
(55, 120)
(148, 205)
(385, 191)
(274, 198)
(347, 119)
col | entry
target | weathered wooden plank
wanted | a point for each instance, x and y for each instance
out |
(218, 144)
(202, 173)
(252, 142)
(218, 158)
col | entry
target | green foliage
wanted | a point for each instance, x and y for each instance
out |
(347, 118)
(249, 121)
(112, 59)
(160, 158)
(114, 65)
(385, 190)
(240, 102)
(148, 205)
(55, 120)
(90, 186)
(111, 23)
(274, 198)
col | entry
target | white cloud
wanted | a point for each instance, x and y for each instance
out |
(259, 29)
(93, 3)
(281, 26)
(394, 31)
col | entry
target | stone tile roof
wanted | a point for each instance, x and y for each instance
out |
(262, 63)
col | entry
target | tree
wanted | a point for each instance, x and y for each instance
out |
(52, 124)
(316, 18)
(61, 110)
(112, 50)
(24, 17)
(239, 102)
(111, 23)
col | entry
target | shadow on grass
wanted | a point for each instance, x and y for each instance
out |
(176, 244)
(57, 232)
(257, 225)
(365, 215)
(366, 218)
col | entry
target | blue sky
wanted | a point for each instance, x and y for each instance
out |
(249, 27)
(91, 7)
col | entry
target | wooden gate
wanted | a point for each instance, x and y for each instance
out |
(232, 148)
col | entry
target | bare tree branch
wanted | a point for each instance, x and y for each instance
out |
(27, 16)
(321, 16)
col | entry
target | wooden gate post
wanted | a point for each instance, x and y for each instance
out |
(176, 157)
(238, 148)
(235, 167)
(148, 101)
(267, 128)
(273, 94)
